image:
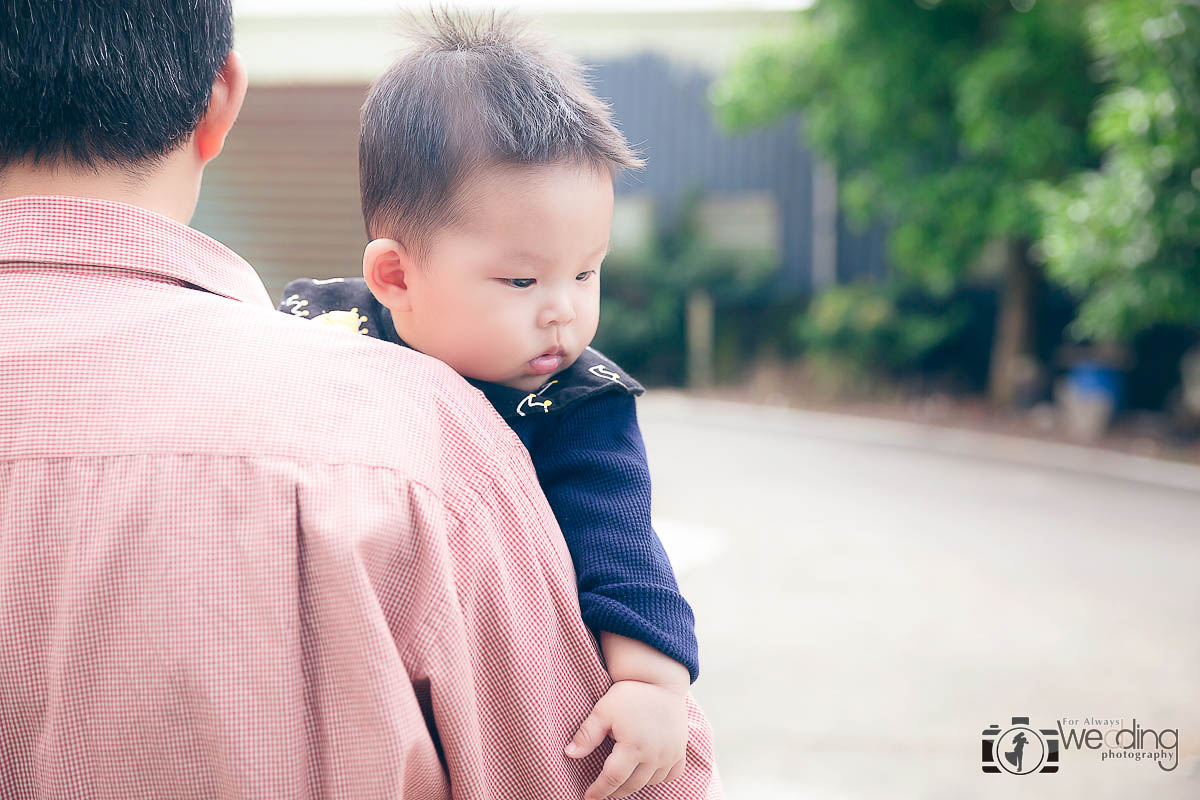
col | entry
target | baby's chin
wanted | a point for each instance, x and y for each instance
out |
(526, 381)
(529, 383)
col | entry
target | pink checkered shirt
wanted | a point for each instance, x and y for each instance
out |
(243, 556)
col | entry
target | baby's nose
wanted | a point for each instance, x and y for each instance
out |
(560, 312)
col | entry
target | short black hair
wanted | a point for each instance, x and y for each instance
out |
(120, 82)
(475, 91)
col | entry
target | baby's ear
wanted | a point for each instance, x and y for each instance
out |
(387, 267)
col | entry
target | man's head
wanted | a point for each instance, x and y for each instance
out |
(486, 167)
(97, 93)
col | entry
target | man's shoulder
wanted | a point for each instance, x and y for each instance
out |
(365, 399)
(202, 373)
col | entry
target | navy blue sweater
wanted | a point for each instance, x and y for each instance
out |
(581, 431)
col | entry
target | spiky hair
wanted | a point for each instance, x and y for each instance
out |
(474, 91)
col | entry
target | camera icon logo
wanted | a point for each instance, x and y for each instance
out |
(1020, 749)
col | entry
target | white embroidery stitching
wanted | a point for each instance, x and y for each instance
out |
(601, 371)
(528, 400)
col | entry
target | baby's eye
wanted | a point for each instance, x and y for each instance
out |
(519, 283)
(583, 276)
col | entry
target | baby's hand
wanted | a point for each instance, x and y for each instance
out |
(649, 727)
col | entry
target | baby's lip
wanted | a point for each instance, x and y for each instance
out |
(547, 362)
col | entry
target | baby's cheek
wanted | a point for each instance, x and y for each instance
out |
(590, 330)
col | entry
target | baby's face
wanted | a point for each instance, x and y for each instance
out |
(510, 293)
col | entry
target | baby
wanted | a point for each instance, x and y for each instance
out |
(487, 169)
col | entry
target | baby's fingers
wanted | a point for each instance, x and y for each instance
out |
(636, 781)
(659, 776)
(676, 770)
(667, 774)
(588, 737)
(617, 768)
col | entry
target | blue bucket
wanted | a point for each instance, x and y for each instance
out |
(1095, 378)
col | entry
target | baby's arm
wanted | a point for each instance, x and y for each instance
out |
(594, 473)
(592, 468)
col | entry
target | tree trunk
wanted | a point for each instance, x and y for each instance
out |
(700, 335)
(1012, 344)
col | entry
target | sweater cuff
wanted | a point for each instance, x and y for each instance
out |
(651, 614)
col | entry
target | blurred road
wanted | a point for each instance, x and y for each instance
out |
(871, 596)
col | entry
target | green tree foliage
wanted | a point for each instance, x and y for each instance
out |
(939, 117)
(878, 327)
(1126, 237)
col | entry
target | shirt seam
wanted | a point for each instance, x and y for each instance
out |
(459, 509)
(233, 457)
(484, 455)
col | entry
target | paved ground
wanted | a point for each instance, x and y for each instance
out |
(871, 597)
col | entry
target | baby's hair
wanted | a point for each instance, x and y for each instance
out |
(476, 91)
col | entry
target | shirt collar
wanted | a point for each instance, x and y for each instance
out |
(86, 232)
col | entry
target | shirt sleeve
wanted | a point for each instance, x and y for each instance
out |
(593, 469)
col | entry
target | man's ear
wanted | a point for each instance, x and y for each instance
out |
(228, 92)
(387, 268)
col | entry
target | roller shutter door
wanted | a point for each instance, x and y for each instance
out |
(284, 193)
